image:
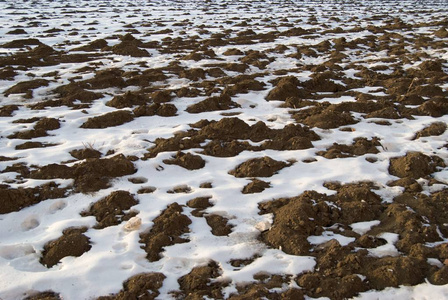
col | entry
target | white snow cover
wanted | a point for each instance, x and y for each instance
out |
(116, 253)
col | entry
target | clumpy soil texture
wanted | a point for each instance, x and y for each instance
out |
(168, 229)
(72, 243)
(109, 211)
(223, 149)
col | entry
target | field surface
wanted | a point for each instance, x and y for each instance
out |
(223, 150)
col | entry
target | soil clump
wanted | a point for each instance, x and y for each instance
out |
(72, 243)
(167, 230)
(110, 210)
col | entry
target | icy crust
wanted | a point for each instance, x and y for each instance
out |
(223, 150)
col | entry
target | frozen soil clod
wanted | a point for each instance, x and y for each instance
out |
(414, 165)
(258, 167)
(145, 285)
(167, 230)
(110, 210)
(72, 243)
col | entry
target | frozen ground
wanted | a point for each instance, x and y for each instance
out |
(223, 149)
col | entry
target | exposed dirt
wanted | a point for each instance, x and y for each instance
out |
(89, 176)
(259, 167)
(7, 110)
(414, 165)
(219, 224)
(168, 229)
(223, 102)
(224, 138)
(47, 295)
(129, 99)
(187, 161)
(163, 110)
(359, 147)
(16, 199)
(256, 186)
(115, 118)
(436, 128)
(144, 286)
(72, 243)
(199, 204)
(199, 283)
(39, 130)
(110, 210)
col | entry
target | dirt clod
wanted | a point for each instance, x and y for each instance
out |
(72, 243)
(167, 230)
(110, 210)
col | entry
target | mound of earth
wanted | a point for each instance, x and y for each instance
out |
(223, 102)
(110, 210)
(144, 285)
(129, 99)
(414, 165)
(255, 186)
(14, 199)
(115, 118)
(163, 110)
(435, 129)
(166, 231)
(225, 138)
(72, 243)
(258, 167)
(199, 283)
(359, 147)
(188, 161)
(89, 176)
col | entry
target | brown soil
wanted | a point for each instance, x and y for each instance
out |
(115, 118)
(326, 119)
(264, 288)
(31, 145)
(110, 210)
(73, 91)
(91, 175)
(243, 87)
(163, 110)
(286, 87)
(187, 161)
(72, 243)
(7, 110)
(140, 286)
(109, 78)
(199, 204)
(436, 128)
(359, 147)
(225, 133)
(256, 186)
(26, 87)
(40, 129)
(7, 73)
(167, 230)
(16, 199)
(414, 165)
(161, 96)
(199, 283)
(47, 295)
(129, 99)
(85, 153)
(259, 167)
(219, 224)
(223, 102)
(92, 46)
(311, 213)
